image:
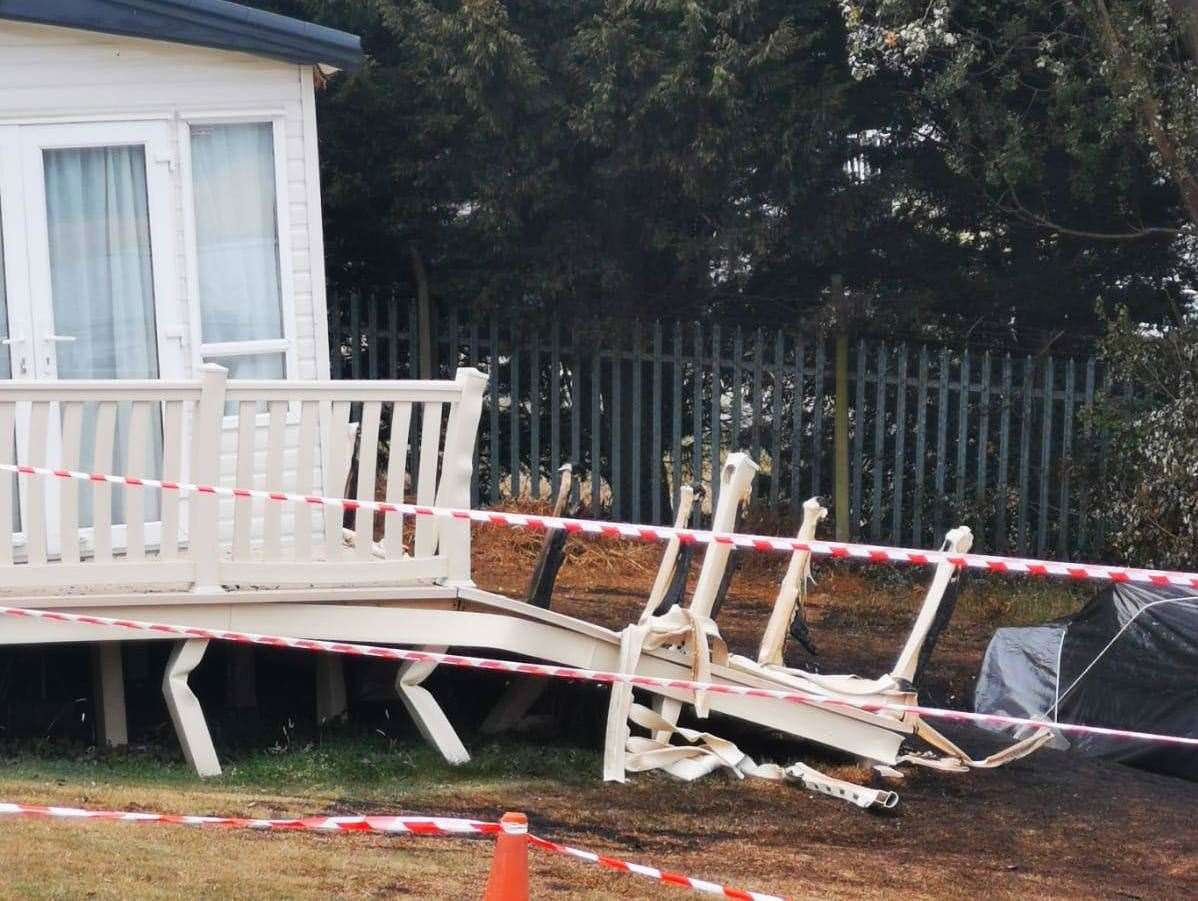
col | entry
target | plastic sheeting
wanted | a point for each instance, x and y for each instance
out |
(1127, 660)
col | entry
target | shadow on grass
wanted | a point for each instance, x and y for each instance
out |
(344, 763)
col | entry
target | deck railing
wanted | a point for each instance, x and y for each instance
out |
(416, 438)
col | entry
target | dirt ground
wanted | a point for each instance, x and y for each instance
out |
(1051, 825)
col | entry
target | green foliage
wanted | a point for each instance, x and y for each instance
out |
(1078, 124)
(1151, 495)
(673, 157)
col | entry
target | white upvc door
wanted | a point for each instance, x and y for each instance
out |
(16, 361)
(96, 238)
(101, 231)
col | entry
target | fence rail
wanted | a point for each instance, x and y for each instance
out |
(935, 435)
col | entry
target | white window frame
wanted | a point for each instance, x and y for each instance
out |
(28, 267)
(287, 345)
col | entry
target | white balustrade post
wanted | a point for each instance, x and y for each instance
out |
(736, 481)
(957, 541)
(773, 641)
(457, 466)
(204, 513)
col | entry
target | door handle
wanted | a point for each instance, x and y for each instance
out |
(60, 337)
(21, 361)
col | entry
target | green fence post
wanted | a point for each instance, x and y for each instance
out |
(840, 437)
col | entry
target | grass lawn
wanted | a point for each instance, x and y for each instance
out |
(56, 859)
(1052, 825)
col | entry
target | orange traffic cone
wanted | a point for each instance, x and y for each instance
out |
(509, 870)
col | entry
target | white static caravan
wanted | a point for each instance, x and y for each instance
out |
(159, 189)
(160, 193)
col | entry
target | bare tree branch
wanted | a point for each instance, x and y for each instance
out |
(1019, 210)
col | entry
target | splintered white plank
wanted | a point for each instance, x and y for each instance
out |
(426, 479)
(68, 492)
(243, 509)
(304, 468)
(135, 498)
(368, 450)
(7, 482)
(272, 516)
(102, 496)
(172, 456)
(338, 438)
(397, 471)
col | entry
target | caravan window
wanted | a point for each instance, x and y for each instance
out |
(237, 248)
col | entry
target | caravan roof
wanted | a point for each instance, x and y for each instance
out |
(205, 23)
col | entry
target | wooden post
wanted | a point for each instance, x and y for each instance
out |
(108, 681)
(553, 546)
(840, 438)
(424, 317)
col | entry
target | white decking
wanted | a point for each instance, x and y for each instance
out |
(282, 568)
(79, 546)
(284, 436)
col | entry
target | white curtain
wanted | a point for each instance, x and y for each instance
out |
(237, 238)
(100, 269)
(102, 280)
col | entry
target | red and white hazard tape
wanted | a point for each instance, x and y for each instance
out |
(389, 825)
(870, 553)
(386, 825)
(624, 866)
(589, 675)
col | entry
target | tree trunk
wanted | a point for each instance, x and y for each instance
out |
(1148, 106)
(424, 319)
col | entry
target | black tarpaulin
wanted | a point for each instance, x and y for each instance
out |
(1127, 660)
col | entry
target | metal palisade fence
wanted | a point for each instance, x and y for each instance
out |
(931, 436)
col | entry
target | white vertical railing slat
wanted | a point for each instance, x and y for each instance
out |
(368, 452)
(68, 493)
(135, 465)
(272, 516)
(337, 454)
(8, 483)
(243, 508)
(426, 478)
(397, 473)
(172, 457)
(305, 469)
(102, 495)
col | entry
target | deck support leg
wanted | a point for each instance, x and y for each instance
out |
(241, 680)
(330, 687)
(186, 712)
(513, 705)
(669, 709)
(108, 679)
(424, 709)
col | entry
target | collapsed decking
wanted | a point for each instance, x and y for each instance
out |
(160, 213)
(273, 568)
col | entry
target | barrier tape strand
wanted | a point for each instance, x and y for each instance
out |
(390, 825)
(870, 553)
(589, 675)
(624, 866)
(385, 825)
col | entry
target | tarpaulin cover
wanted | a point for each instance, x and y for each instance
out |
(1127, 660)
